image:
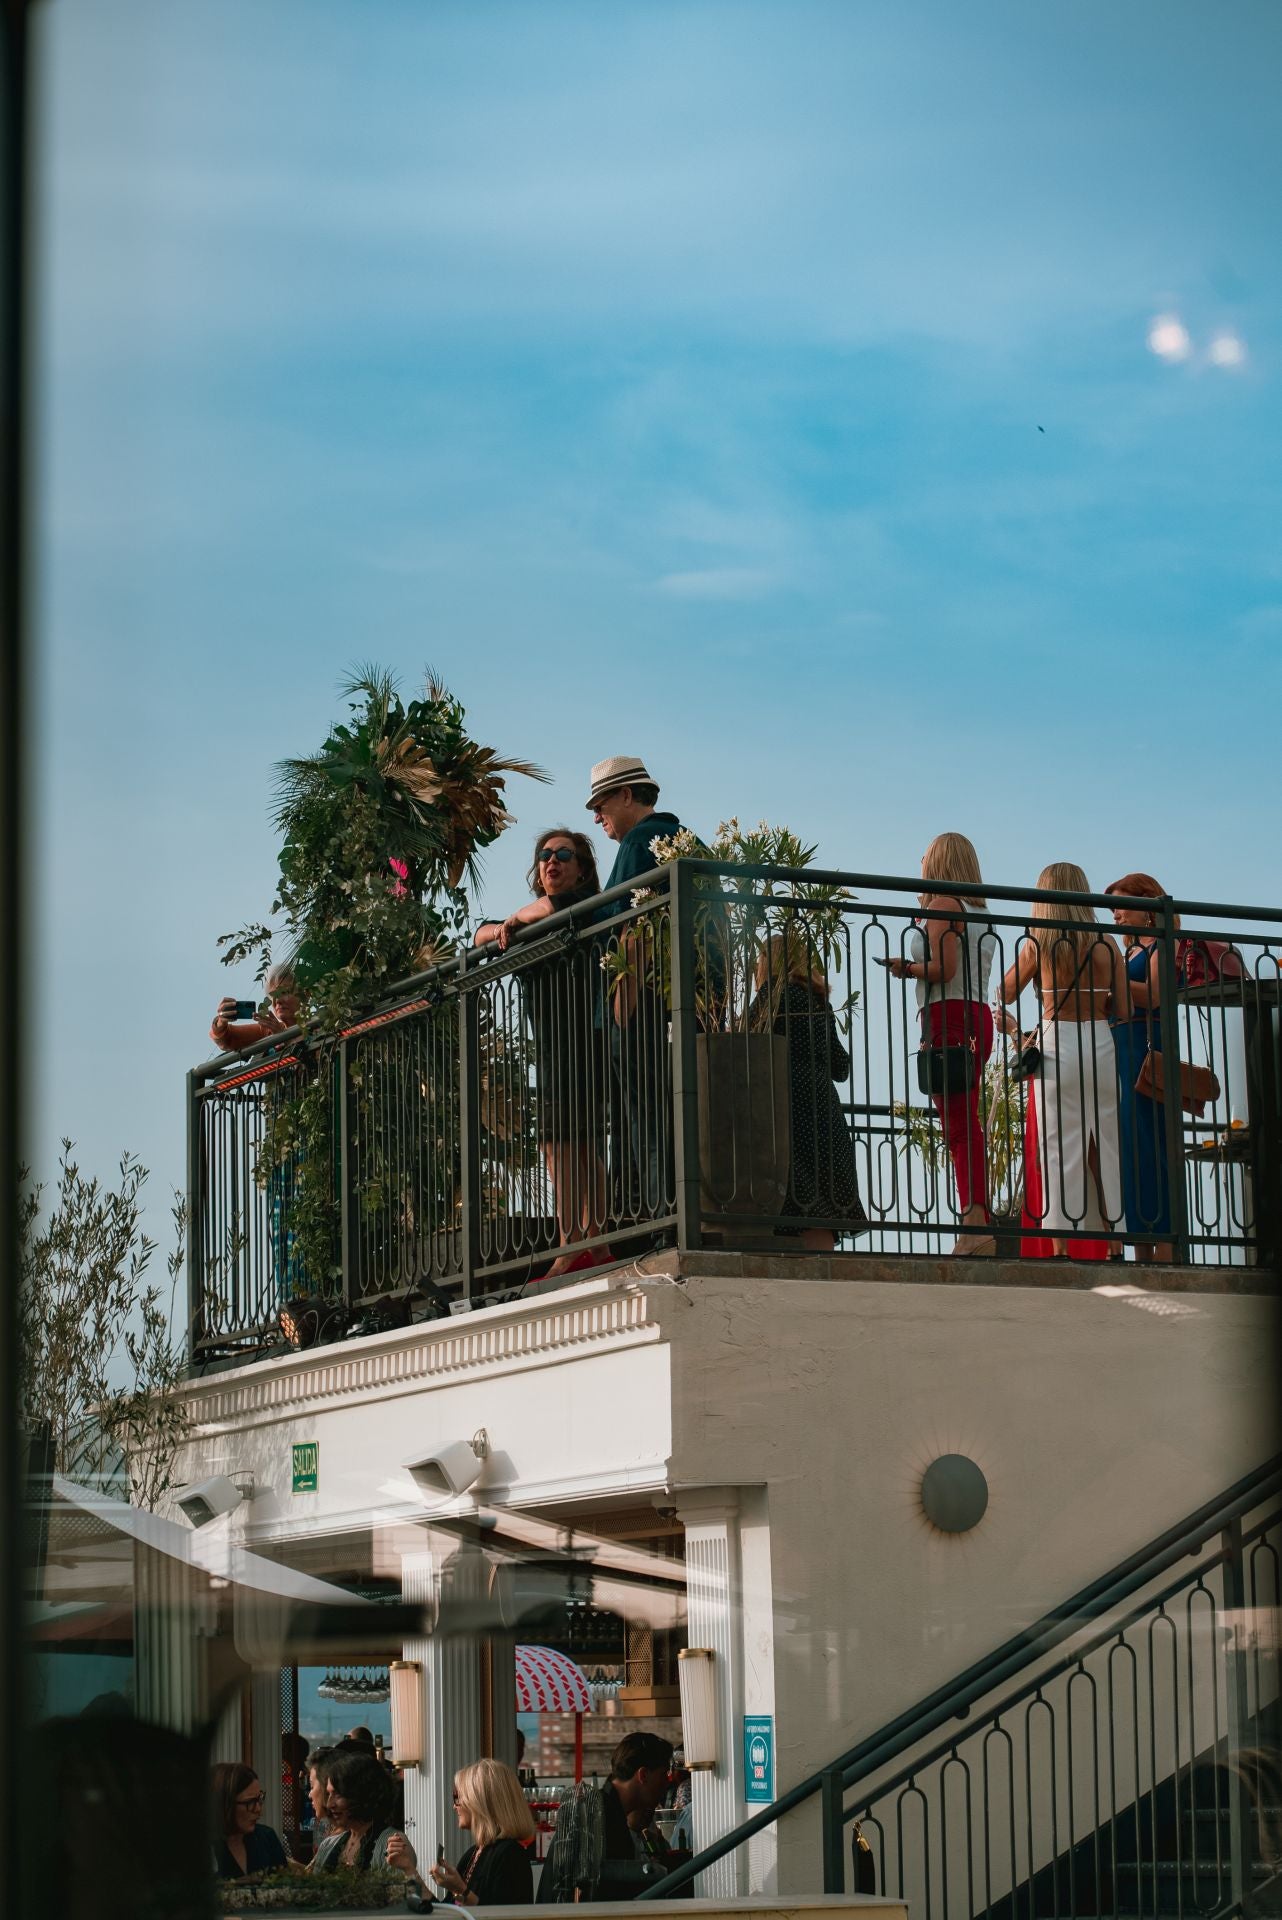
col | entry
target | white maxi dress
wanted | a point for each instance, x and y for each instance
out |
(1077, 1103)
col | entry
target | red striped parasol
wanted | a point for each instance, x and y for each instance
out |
(549, 1682)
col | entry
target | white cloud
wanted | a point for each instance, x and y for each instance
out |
(1168, 337)
(1227, 350)
(717, 583)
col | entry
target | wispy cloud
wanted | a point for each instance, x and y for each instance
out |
(718, 583)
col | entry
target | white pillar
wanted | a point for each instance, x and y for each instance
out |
(757, 1619)
(264, 1733)
(173, 1623)
(711, 1525)
(451, 1705)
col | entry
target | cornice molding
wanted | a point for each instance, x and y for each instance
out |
(491, 1340)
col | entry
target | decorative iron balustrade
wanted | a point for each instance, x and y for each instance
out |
(722, 1056)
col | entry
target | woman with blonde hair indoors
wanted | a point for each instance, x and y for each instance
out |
(1081, 981)
(950, 959)
(495, 1871)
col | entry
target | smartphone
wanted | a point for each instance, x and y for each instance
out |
(246, 1009)
(440, 1855)
(878, 961)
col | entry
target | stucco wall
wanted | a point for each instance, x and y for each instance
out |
(1097, 1419)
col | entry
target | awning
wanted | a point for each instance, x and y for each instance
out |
(549, 1682)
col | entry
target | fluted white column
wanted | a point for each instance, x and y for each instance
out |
(265, 1732)
(451, 1706)
(712, 1588)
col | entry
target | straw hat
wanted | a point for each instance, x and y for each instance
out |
(623, 770)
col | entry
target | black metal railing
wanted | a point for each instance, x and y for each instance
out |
(1118, 1757)
(725, 1056)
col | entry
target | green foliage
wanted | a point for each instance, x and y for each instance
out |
(806, 920)
(381, 834)
(85, 1310)
(345, 1889)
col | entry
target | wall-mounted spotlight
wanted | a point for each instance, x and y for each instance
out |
(447, 1471)
(405, 1678)
(210, 1499)
(696, 1670)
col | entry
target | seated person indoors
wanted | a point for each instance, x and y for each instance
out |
(282, 1011)
(242, 1844)
(496, 1870)
(360, 1802)
(604, 1847)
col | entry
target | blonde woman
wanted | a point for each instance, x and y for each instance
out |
(1081, 981)
(495, 1871)
(951, 959)
(792, 998)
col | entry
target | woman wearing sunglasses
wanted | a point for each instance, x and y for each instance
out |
(243, 1845)
(571, 1066)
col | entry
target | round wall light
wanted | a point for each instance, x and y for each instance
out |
(954, 1493)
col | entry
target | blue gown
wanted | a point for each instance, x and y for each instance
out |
(1146, 1184)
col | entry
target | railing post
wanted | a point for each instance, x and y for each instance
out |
(685, 1056)
(346, 1172)
(195, 1224)
(1237, 1707)
(469, 1121)
(1168, 1023)
(832, 1801)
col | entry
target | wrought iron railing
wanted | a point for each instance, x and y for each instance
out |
(721, 1056)
(1118, 1757)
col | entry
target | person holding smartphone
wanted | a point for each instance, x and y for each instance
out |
(238, 1024)
(950, 961)
(495, 1871)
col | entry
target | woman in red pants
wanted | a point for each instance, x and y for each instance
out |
(950, 959)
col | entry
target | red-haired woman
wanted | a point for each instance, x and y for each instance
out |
(1146, 1175)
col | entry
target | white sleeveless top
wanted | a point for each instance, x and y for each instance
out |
(970, 981)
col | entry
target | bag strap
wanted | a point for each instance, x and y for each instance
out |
(1063, 999)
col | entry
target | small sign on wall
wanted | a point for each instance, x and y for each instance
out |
(759, 1758)
(306, 1466)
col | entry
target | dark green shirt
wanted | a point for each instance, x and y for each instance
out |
(634, 856)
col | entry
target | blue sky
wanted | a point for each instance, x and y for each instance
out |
(670, 377)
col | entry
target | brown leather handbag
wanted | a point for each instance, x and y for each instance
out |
(1198, 1085)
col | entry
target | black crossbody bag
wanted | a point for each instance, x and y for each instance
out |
(943, 1072)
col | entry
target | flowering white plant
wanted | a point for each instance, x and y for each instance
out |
(754, 928)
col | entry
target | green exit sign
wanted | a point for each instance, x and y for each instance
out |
(306, 1466)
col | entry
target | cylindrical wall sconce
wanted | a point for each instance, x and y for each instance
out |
(698, 1679)
(405, 1680)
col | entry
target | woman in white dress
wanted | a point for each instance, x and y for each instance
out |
(1080, 973)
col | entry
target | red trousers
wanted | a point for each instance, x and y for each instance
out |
(961, 1023)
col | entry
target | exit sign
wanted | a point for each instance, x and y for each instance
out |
(306, 1466)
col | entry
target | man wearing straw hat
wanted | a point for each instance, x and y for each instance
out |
(622, 800)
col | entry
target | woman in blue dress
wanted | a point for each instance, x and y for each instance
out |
(1146, 1183)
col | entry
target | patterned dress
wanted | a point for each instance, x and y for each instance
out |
(822, 1180)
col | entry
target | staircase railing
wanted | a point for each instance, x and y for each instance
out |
(1132, 1774)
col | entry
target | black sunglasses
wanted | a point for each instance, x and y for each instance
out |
(563, 854)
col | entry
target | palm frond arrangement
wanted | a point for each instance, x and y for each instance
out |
(382, 831)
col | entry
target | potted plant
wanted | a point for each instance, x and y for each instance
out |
(742, 923)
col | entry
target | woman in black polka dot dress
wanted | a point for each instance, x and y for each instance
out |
(792, 998)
